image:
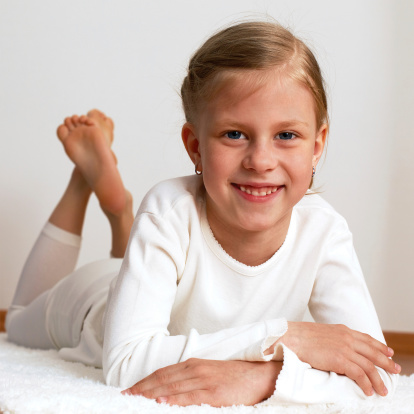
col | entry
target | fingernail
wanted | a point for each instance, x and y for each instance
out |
(162, 399)
(385, 391)
(390, 351)
(397, 367)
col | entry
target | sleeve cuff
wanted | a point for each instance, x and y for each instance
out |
(299, 383)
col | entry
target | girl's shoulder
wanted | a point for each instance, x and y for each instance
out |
(313, 211)
(313, 200)
(172, 194)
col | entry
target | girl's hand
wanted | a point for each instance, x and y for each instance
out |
(342, 350)
(217, 383)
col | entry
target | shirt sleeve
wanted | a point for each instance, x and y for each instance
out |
(339, 296)
(136, 338)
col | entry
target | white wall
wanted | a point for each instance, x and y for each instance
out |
(128, 58)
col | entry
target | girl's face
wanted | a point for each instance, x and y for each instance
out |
(256, 145)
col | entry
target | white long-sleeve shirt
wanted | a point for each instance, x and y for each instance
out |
(180, 295)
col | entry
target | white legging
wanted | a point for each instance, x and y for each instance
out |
(53, 257)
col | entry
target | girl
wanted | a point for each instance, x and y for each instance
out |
(220, 267)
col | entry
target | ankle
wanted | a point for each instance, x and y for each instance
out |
(78, 185)
(121, 224)
(121, 229)
(69, 214)
(123, 210)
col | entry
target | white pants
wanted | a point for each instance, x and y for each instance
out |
(51, 299)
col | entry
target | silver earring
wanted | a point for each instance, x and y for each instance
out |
(196, 170)
(313, 171)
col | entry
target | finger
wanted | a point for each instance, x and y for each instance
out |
(356, 373)
(191, 398)
(175, 388)
(374, 343)
(372, 373)
(162, 376)
(377, 357)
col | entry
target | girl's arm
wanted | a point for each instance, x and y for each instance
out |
(136, 341)
(217, 383)
(342, 356)
(323, 351)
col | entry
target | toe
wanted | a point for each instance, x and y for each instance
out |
(75, 120)
(110, 122)
(83, 119)
(96, 113)
(69, 123)
(62, 132)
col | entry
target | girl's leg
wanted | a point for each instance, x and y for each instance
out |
(52, 257)
(55, 252)
(121, 224)
(87, 141)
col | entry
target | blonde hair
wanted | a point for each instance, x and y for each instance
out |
(251, 46)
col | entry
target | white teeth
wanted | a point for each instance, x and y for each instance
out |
(258, 192)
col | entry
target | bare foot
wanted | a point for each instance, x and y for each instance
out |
(87, 141)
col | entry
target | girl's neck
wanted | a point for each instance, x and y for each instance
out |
(249, 247)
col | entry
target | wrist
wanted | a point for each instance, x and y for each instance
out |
(269, 375)
(287, 339)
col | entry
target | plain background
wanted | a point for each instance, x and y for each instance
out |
(128, 58)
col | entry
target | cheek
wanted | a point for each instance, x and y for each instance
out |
(300, 163)
(216, 160)
(299, 170)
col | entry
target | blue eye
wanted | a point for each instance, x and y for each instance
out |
(286, 135)
(234, 134)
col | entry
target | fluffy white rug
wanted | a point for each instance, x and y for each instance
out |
(35, 381)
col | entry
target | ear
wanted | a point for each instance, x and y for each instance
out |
(191, 143)
(319, 143)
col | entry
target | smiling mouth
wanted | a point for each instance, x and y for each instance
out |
(257, 191)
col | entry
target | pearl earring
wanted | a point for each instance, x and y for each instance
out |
(197, 171)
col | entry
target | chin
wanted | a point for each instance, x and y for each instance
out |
(256, 225)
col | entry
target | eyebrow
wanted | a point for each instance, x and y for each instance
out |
(290, 122)
(281, 125)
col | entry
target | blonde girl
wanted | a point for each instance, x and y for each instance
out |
(220, 267)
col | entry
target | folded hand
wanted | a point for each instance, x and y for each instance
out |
(337, 348)
(217, 383)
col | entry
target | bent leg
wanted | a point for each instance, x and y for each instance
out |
(26, 326)
(55, 318)
(87, 140)
(53, 256)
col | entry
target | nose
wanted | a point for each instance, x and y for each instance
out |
(260, 157)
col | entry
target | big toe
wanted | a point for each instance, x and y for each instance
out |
(104, 121)
(97, 114)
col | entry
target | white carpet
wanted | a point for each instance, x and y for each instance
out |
(34, 381)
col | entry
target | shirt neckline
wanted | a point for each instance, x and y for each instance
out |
(234, 264)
